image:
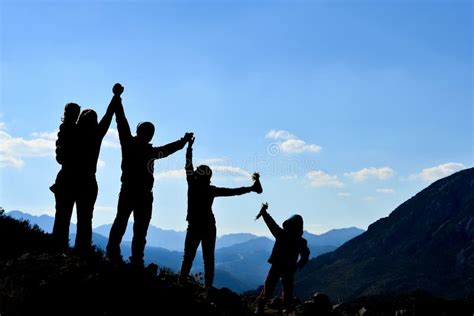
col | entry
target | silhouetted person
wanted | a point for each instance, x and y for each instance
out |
(136, 194)
(78, 155)
(201, 222)
(64, 187)
(289, 245)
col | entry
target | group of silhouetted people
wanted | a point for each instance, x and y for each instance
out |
(77, 151)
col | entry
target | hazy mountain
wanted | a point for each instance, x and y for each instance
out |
(425, 243)
(232, 239)
(241, 259)
(156, 237)
(45, 222)
(334, 237)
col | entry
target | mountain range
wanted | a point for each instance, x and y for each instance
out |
(426, 243)
(241, 259)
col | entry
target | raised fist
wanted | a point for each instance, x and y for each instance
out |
(262, 210)
(191, 141)
(188, 136)
(117, 89)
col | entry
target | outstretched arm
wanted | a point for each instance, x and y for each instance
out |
(171, 148)
(230, 191)
(256, 187)
(125, 135)
(304, 254)
(189, 160)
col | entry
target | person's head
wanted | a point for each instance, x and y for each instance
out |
(71, 112)
(203, 174)
(294, 225)
(87, 119)
(145, 131)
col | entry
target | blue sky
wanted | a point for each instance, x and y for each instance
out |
(347, 108)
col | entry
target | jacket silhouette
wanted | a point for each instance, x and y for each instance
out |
(289, 246)
(200, 218)
(78, 151)
(136, 195)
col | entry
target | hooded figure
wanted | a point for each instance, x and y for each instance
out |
(289, 247)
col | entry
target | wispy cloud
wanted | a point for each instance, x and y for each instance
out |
(344, 194)
(210, 161)
(385, 190)
(437, 172)
(170, 174)
(369, 199)
(290, 143)
(318, 178)
(382, 173)
(13, 149)
(111, 139)
(279, 134)
(236, 173)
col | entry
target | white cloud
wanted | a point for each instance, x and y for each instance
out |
(100, 163)
(217, 171)
(170, 174)
(279, 134)
(318, 178)
(298, 146)
(369, 198)
(382, 173)
(2, 126)
(385, 190)
(230, 170)
(344, 194)
(14, 149)
(435, 173)
(290, 143)
(111, 139)
(210, 161)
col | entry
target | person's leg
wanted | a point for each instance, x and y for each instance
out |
(287, 294)
(208, 248)
(85, 208)
(142, 217)
(269, 286)
(124, 209)
(191, 245)
(62, 219)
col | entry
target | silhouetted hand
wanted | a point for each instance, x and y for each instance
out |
(187, 137)
(117, 89)
(257, 186)
(263, 210)
(191, 142)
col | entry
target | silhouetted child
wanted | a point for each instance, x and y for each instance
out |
(201, 222)
(136, 194)
(64, 186)
(289, 245)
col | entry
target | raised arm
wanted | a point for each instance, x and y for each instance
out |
(274, 228)
(171, 148)
(125, 134)
(304, 254)
(189, 160)
(104, 123)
